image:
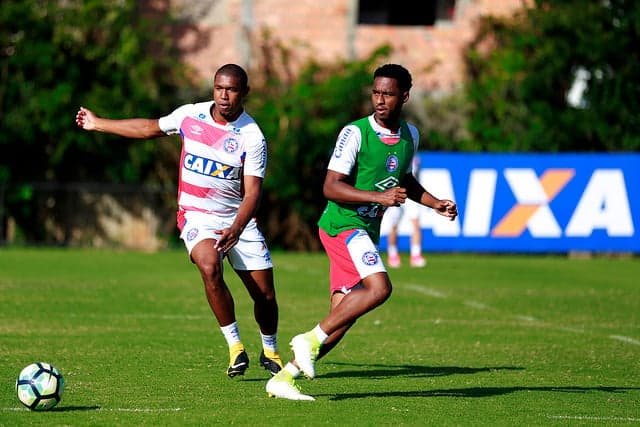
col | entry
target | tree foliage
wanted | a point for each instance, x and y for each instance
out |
(522, 69)
(58, 55)
(55, 57)
(443, 121)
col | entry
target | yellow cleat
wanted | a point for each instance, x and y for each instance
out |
(270, 360)
(238, 360)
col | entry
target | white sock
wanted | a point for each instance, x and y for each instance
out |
(231, 333)
(270, 342)
(416, 250)
(292, 369)
(392, 250)
(320, 334)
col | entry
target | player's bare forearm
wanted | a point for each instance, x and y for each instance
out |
(136, 128)
(246, 211)
(229, 237)
(130, 128)
(429, 200)
(444, 207)
(418, 193)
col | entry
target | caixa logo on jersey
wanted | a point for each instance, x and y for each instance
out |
(534, 203)
(210, 167)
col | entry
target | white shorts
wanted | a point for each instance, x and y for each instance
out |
(251, 251)
(352, 257)
(409, 208)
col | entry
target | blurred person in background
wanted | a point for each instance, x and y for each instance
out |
(393, 215)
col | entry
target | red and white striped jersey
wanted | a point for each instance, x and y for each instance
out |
(214, 158)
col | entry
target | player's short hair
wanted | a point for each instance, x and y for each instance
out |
(395, 71)
(234, 70)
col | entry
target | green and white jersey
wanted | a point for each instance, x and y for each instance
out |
(374, 159)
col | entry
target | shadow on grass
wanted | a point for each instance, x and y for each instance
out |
(374, 371)
(482, 392)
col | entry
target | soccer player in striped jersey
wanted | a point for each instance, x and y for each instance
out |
(222, 167)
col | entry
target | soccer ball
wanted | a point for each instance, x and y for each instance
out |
(40, 386)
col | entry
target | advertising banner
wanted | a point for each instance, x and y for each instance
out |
(530, 203)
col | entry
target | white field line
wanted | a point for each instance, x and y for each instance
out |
(476, 304)
(526, 318)
(624, 339)
(589, 418)
(426, 291)
(529, 319)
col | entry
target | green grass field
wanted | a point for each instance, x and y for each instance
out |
(468, 340)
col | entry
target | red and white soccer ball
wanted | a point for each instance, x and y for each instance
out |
(40, 386)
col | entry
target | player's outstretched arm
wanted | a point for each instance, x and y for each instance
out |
(418, 193)
(446, 208)
(128, 128)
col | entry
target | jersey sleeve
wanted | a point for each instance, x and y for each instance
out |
(170, 124)
(255, 163)
(346, 150)
(415, 136)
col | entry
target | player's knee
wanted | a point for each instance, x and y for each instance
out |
(265, 297)
(210, 271)
(381, 292)
(385, 292)
(269, 296)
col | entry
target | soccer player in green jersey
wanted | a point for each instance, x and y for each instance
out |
(369, 171)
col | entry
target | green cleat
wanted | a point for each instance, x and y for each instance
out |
(283, 386)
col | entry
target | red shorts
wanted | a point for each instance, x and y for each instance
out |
(352, 257)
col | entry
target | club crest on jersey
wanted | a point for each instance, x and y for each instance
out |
(210, 167)
(202, 116)
(370, 258)
(192, 234)
(392, 163)
(230, 145)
